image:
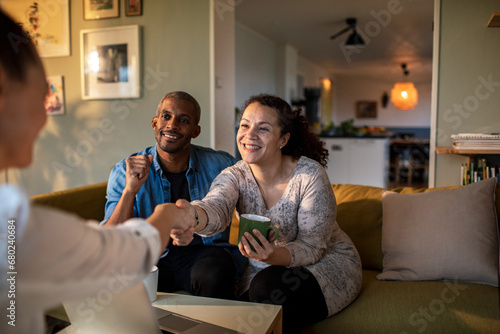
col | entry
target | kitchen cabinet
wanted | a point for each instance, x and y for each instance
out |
(363, 161)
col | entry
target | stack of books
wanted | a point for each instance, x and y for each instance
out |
(476, 141)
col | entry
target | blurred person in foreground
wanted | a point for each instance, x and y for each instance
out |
(47, 256)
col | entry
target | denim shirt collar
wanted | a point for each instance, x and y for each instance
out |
(156, 161)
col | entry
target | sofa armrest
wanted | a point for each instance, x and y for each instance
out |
(88, 202)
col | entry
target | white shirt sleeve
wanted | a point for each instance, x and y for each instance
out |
(64, 256)
(60, 257)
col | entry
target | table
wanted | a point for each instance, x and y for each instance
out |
(240, 316)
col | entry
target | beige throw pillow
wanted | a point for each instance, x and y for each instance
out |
(441, 235)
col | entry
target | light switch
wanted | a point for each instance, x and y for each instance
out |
(218, 82)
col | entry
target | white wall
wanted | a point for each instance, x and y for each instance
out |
(255, 64)
(224, 63)
(311, 72)
(264, 66)
(286, 68)
(349, 89)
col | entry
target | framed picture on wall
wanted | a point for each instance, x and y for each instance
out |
(54, 101)
(100, 9)
(110, 63)
(133, 7)
(366, 109)
(46, 21)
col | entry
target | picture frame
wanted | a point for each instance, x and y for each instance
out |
(366, 109)
(46, 21)
(110, 63)
(54, 101)
(133, 7)
(100, 9)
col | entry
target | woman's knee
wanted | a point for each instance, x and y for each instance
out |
(217, 269)
(268, 286)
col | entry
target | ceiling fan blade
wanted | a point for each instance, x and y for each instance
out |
(341, 32)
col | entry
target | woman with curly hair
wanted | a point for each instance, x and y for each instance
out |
(313, 269)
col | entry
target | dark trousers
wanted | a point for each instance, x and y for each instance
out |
(295, 289)
(207, 271)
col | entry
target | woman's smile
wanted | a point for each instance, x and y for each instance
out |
(251, 147)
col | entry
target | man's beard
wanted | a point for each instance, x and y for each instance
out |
(172, 148)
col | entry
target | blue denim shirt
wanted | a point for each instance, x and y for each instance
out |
(204, 165)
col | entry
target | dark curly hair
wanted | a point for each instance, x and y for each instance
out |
(17, 49)
(302, 142)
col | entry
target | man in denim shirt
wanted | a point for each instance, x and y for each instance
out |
(170, 170)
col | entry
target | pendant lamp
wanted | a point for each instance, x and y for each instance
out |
(404, 95)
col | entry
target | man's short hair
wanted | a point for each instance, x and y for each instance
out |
(179, 95)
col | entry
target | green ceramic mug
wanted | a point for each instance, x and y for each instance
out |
(249, 222)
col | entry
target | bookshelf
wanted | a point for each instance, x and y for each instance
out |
(471, 157)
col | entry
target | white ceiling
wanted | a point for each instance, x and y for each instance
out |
(402, 33)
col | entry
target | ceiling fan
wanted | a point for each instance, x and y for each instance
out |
(354, 39)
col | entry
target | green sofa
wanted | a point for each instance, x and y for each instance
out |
(382, 306)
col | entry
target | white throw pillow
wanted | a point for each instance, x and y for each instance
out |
(441, 235)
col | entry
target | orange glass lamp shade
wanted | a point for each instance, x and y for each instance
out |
(404, 95)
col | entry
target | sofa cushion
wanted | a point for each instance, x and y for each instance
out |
(359, 215)
(449, 234)
(416, 307)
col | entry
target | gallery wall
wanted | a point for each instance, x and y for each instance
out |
(81, 146)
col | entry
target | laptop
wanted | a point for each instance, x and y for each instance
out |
(130, 311)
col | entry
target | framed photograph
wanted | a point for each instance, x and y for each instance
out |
(100, 9)
(46, 21)
(54, 101)
(366, 109)
(133, 7)
(110, 63)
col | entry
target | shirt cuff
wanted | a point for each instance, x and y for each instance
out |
(145, 230)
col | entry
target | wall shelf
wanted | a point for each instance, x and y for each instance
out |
(451, 150)
(471, 154)
(494, 20)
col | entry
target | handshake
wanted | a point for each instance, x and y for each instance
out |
(176, 221)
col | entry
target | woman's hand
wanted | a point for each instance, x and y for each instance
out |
(183, 237)
(263, 253)
(180, 237)
(174, 221)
